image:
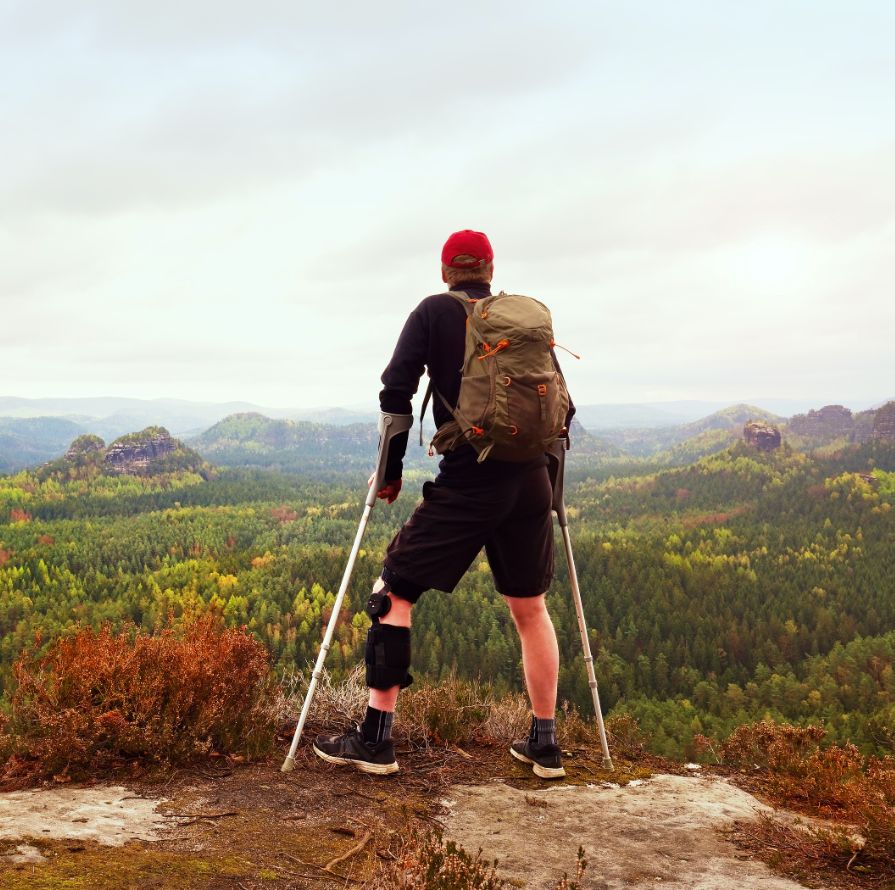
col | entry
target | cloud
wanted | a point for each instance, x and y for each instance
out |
(164, 111)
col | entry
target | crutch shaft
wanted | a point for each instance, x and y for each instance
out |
(327, 639)
(390, 425)
(585, 642)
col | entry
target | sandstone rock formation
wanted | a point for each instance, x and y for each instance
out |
(762, 436)
(884, 423)
(134, 453)
(863, 428)
(829, 422)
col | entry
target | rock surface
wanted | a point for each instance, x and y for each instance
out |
(258, 827)
(109, 815)
(762, 436)
(133, 454)
(884, 423)
(661, 832)
(829, 422)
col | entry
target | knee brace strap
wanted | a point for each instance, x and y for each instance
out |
(387, 655)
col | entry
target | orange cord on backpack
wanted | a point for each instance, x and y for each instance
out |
(573, 354)
(501, 344)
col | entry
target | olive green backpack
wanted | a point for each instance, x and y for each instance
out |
(513, 400)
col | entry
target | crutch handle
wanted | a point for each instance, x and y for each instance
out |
(390, 425)
(556, 467)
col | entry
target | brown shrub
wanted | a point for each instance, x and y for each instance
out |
(773, 746)
(97, 698)
(625, 736)
(429, 863)
(837, 781)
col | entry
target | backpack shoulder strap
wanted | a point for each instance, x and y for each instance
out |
(468, 304)
(426, 397)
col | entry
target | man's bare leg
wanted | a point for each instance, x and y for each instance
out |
(540, 660)
(540, 653)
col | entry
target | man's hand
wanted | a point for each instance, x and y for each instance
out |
(389, 492)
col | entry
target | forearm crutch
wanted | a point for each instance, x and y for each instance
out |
(557, 455)
(390, 425)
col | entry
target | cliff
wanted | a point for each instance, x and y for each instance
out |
(884, 423)
(762, 436)
(829, 422)
(150, 452)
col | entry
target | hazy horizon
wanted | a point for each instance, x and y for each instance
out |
(857, 404)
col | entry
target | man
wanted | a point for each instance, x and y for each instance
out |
(502, 506)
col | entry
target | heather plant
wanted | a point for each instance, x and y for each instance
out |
(837, 781)
(96, 698)
(430, 863)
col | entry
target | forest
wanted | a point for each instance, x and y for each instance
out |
(741, 586)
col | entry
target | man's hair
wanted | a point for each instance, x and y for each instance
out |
(480, 274)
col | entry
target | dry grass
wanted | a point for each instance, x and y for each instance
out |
(454, 712)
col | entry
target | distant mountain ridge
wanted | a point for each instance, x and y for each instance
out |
(252, 438)
(30, 441)
(715, 431)
(110, 416)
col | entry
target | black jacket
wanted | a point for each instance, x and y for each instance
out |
(434, 339)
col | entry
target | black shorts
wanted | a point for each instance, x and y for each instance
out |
(510, 517)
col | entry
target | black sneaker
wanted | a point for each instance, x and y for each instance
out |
(545, 760)
(351, 748)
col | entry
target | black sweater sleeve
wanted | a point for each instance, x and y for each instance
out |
(400, 380)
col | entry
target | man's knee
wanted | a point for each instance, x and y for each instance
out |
(389, 606)
(527, 609)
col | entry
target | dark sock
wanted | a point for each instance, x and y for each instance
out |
(377, 726)
(543, 732)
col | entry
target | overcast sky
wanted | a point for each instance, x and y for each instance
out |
(220, 200)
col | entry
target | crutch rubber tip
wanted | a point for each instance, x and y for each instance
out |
(289, 765)
(607, 764)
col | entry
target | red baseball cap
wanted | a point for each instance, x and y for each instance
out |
(467, 244)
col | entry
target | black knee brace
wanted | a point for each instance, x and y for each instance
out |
(387, 655)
